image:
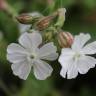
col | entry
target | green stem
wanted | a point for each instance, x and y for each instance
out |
(51, 6)
(10, 11)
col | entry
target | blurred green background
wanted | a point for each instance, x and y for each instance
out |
(80, 17)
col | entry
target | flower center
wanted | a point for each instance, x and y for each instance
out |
(32, 56)
(77, 55)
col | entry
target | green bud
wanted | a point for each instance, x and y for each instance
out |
(61, 17)
(48, 35)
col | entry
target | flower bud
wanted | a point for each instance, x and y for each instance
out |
(29, 18)
(65, 39)
(61, 17)
(44, 22)
(48, 36)
(3, 5)
(24, 19)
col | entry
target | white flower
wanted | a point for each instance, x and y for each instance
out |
(29, 55)
(77, 59)
(25, 27)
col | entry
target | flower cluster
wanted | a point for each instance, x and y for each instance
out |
(35, 48)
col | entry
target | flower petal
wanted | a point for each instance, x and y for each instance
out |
(63, 72)
(16, 57)
(42, 70)
(80, 41)
(68, 64)
(15, 48)
(50, 57)
(69, 69)
(67, 52)
(21, 69)
(90, 48)
(30, 40)
(85, 63)
(48, 52)
(72, 69)
(65, 57)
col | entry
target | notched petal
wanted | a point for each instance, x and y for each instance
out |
(30, 40)
(21, 69)
(80, 41)
(48, 52)
(42, 70)
(13, 48)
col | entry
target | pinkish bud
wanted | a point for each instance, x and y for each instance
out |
(65, 39)
(24, 19)
(44, 22)
(3, 5)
